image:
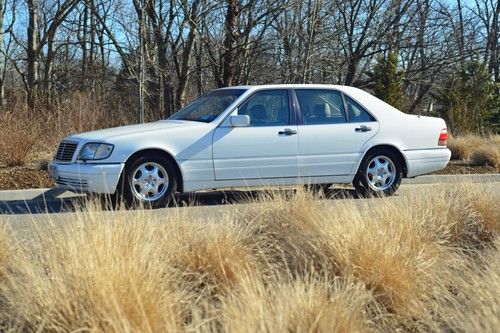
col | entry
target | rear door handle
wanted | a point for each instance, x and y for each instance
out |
(363, 128)
(287, 131)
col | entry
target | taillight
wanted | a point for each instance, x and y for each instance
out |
(443, 137)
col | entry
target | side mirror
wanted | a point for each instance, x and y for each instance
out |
(240, 120)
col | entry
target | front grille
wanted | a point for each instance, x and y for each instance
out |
(66, 151)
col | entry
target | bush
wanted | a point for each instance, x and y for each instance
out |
(461, 147)
(476, 150)
(18, 139)
(35, 135)
(486, 155)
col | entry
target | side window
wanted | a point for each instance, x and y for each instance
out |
(321, 106)
(357, 114)
(267, 108)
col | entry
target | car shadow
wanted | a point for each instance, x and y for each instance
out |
(44, 204)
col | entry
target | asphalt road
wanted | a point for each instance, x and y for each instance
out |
(52, 201)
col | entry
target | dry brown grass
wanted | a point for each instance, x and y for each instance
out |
(5, 250)
(486, 155)
(27, 136)
(303, 305)
(476, 150)
(478, 305)
(284, 263)
(462, 146)
(18, 138)
(107, 274)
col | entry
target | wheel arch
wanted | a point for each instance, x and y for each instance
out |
(162, 153)
(391, 148)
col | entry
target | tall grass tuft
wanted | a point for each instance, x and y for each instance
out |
(462, 146)
(285, 262)
(476, 150)
(5, 251)
(478, 305)
(303, 305)
(103, 273)
(486, 155)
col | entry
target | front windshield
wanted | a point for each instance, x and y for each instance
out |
(209, 106)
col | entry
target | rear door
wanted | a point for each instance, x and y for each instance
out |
(265, 149)
(332, 129)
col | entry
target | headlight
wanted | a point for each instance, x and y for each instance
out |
(95, 151)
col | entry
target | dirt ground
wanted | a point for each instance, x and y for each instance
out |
(460, 168)
(15, 178)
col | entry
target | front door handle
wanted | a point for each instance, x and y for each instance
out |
(363, 128)
(287, 131)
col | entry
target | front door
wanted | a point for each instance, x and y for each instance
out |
(265, 149)
(330, 140)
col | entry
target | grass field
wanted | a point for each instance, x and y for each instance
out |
(284, 263)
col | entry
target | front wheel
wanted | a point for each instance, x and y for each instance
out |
(380, 173)
(148, 180)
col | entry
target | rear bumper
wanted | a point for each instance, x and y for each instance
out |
(81, 177)
(424, 161)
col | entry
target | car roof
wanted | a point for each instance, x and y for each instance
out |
(289, 86)
(378, 107)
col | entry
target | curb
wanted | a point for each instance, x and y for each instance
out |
(38, 194)
(446, 179)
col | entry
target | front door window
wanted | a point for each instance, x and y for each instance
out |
(267, 108)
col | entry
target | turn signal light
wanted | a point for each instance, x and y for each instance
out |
(443, 137)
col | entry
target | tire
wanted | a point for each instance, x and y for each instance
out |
(379, 174)
(147, 180)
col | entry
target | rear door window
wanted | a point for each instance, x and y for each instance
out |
(319, 106)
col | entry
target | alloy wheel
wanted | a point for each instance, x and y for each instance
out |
(380, 173)
(149, 181)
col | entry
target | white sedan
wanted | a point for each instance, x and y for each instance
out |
(254, 136)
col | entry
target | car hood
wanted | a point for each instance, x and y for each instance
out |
(137, 130)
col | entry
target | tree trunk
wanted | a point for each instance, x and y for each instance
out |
(351, 70)
(2, 58)
(84, 44)
(47, 79)
(186, 58)
(162, 80)
(229, 40)
(199, 64)
(32, 53)
(92, 50)
(494, 64)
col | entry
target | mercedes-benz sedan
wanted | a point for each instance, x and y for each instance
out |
(254, 136)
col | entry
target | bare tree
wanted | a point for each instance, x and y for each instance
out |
(162, 52)
(3, 52)
(488, 12)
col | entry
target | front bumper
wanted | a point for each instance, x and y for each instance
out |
(86, 177)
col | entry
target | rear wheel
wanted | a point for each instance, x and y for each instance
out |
(148, 180)
(380, 173)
